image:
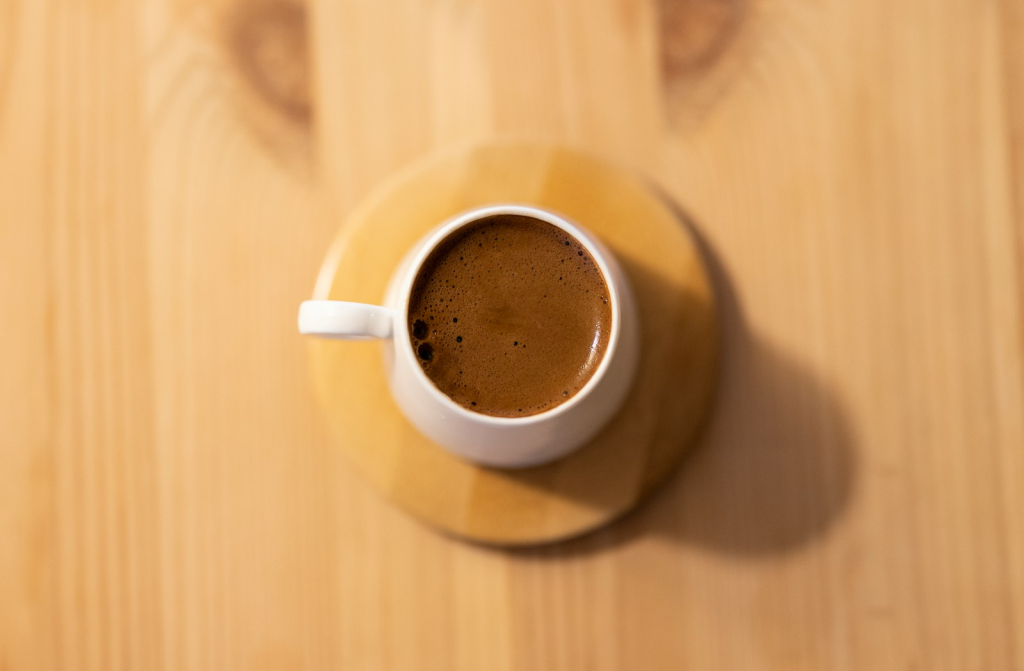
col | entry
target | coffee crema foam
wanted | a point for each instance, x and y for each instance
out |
(509, 316)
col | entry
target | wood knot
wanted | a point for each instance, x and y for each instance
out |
(268, 40)
(695, 33)
(697, 36)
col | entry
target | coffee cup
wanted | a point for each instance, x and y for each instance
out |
(458, 320)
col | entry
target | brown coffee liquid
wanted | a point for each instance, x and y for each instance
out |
(509, 316)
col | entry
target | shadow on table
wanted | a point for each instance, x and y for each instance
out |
(774, 469)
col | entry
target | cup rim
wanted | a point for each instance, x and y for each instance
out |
(597, 251)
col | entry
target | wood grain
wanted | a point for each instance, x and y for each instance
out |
(171, 500)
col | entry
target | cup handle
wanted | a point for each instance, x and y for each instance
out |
(342, 320)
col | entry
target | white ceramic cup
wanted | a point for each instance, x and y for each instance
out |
(510, 442)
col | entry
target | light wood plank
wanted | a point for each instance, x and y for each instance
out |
(171, 173)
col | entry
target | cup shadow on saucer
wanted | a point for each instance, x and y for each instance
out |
(774, 468)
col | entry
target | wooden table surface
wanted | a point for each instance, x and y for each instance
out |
(171, 172)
